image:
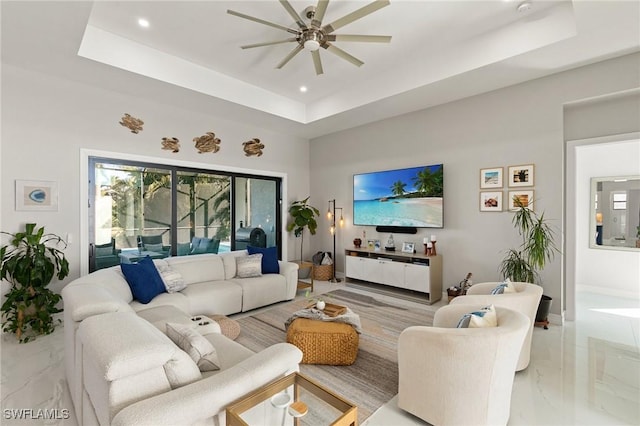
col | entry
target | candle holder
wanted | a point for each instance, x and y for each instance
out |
(433, 248)
(426, 249)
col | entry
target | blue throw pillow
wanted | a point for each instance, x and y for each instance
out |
(269, 258)
(143, 279)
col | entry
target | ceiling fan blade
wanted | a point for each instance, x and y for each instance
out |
(344, 55)
(261, 21)
(360, 13)
(317, 63)
(267, 43)
(321, 8)
(296, 17)
(291, 54)
(361, 38)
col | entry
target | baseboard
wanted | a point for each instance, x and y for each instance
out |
(556, 319)
(607, 291)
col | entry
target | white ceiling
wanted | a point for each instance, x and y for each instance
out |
(440, 51)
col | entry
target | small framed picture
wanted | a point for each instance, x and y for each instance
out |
(521, 175)
(34, 195)
(408, 247)
(371, 243)
(520, 197)
(491, 178)
(491, 201)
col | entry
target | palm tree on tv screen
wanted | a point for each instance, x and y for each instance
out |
(398, 188)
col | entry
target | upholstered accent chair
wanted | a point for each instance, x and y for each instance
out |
(460, 376)
(524, 300)
(153, 243)
(107, 255)
(201, 245)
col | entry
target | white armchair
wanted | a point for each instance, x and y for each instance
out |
(525, 300)
(460, 376)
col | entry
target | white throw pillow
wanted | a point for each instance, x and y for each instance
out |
(485, 317)
(504, 287)
(194, 344)
(172, 279)
(249, 266)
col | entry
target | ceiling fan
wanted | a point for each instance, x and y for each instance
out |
(313, 35)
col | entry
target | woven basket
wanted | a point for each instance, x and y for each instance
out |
(324, 342)
(322, 272)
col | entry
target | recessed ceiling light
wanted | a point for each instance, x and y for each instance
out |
(143, 23)
(303, 89)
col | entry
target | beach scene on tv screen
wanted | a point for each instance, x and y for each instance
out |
(403, 197)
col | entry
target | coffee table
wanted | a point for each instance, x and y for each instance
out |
(136, 256)
(324, 406)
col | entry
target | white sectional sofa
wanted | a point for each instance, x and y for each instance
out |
(123, 369)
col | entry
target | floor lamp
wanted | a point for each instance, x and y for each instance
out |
(331, 215)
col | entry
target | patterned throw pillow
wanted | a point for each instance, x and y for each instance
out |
(504, 287)
(270, 263)
(172, 279)
(485, 317)
(196, 345)
(249, 266)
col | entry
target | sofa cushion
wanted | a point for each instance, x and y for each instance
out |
(218, 297)
(229, 261)
(157, 248)
(269, 258)
(143, 279)
(262, 291)
(249, 266)
(229, 352)
(485, 317)
(198, 268)
(194, 344)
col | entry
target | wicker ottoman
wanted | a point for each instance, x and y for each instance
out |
(228, 326)
(324, 342)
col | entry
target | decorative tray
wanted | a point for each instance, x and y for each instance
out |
(331, 310)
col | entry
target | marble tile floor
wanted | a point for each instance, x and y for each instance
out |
(586, 372)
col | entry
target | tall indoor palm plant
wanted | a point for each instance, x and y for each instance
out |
(538, 247)
(29, 262)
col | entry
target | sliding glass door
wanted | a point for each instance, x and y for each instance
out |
(140, 209)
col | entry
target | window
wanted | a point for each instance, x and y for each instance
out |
(619, 200)
(139, 209)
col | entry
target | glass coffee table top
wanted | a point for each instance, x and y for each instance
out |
(292, 400)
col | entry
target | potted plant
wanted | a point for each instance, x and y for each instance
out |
(29, 262)
(537, 248)
(303, 217)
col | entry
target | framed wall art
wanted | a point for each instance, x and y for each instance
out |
(491, 201)
(525, 197)
(491, 178)
(34, 195)
(522, 175)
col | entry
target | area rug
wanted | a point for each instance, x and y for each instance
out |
(373, 379)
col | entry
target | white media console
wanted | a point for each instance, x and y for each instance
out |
(411, 271)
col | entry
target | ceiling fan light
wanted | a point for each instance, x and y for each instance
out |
(311, 45)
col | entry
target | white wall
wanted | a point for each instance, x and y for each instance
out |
(521, 124)
(46, 121)
(612, 272)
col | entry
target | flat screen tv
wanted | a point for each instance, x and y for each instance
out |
(403, 197)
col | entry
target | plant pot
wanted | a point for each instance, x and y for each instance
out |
(304, 270)
(320, 304)
(543, 308)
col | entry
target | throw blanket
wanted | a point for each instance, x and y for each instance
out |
(348, 317)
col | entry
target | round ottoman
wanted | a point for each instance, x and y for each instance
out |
(228, 326)
(324, 342)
